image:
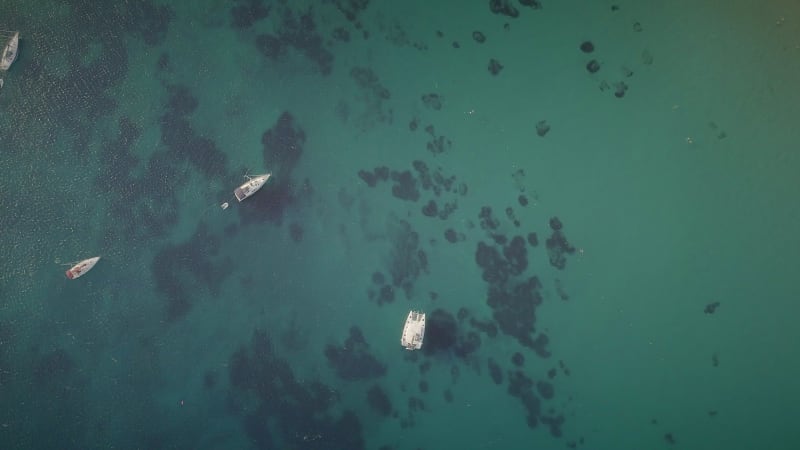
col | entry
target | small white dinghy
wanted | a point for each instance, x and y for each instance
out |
(251, 187)
(79, 269)
(413, 331)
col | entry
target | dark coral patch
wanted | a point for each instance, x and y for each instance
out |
(210, 379)
(488, 222)
(433, 101)
(467, 344)
(493, 266)
(443, 335)
(368, 177)
(301, 34)
(270, 46)
(495, 371)
(405, 186)
(620, 88)
(351, 9)
(533, 4)
(515, 308)
(379, 401)
(283, 145)
(503, 7)
(352, 361)
(244, 16)
(382, 173)
(499, 239)
(184, 144)
(545, 389)
(558, 248)
(178, 271)
(149, 21)
(430, 209)
(277, 410)
(163, 62)
(274, 200)
(407, 260)
(487, 326)
(296, 232)
(181, 102)
(366, 79)
(521, 387)
(554, 424)
(495, 67)
(341, 34)
(540, 347)
(441, 332)
(143, 205)
(448, 395)
(385, 294)
(516, 255)
(542, 128)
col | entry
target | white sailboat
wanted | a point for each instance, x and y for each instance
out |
(252, 185)
(413, 331)
(10, 49)
(80, 268)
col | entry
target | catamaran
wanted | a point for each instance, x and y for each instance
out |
(413, 331)
(10, 49)
(79, 269)
(252, 185)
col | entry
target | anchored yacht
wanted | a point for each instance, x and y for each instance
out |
(79, 269)
(10, 49)
(251, 187)
(413, 331)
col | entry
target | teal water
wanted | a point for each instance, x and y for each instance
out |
(276, 323)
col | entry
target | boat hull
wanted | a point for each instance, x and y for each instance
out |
(251, 187)
(80, 269)
(10, 52)
(413, 331)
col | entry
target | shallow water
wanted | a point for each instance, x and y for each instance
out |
(656, 186)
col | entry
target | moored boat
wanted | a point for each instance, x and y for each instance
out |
(9, 50)
(413, 331)
(252, 185)
(79, 269)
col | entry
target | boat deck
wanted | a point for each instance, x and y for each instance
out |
(413, 331)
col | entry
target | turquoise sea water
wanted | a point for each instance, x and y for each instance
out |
(655, 308)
